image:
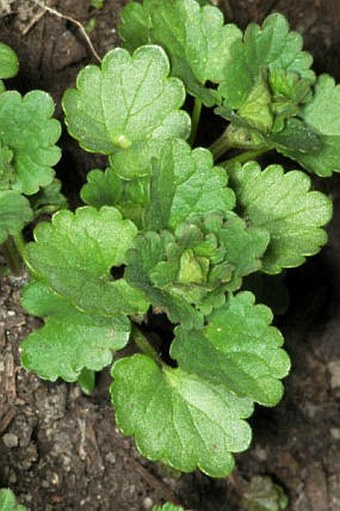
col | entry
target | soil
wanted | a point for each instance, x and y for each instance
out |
(59, 449)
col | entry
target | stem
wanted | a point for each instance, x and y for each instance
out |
(144, 345)
(221, 145)
(245, 156)
(13, 249)
(195, 118)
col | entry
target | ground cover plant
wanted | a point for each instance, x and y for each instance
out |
(167, 231)
(27, 155)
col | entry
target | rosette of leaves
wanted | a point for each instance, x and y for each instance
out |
(167, 230)
(27, 153)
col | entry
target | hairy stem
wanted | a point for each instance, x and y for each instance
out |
(195, 118)
(144, 345)
(221, 145)
(245, 156)
(13, 250)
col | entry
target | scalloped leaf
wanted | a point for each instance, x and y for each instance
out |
(283, 205)
(8, 501)
(321, 116)
(193, 416)
(70, 340)
(15, 213)
(126, 108)
(9, 63)
(75, 253)
(179, 418)
(29, 132)
(270, 47)
(267, 77)
(243, 350)
(195, 38)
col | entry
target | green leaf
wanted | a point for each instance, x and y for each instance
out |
(179, 418)
(267, 77)
(6, 167)
(283, 205)
(321, 118)
(74, 254)
(87, 381)
(108, 189)
(29, 132)
(237, 348)
(147, 252)
(9, 63)
(195, 38)
(15, 213)
(193, 416)
(71, 340)
(168, 507)
(49, 199)
(8, 501)
(268, 48)
(126, 108)
(185, 183)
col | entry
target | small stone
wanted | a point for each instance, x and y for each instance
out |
(335, 432)
(334, 369)
(110, 458)
(147, 503)
(10, 440)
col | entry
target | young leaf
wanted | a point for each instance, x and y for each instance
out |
(126, 108)
(8, 501)
(29, 132)
(322, 120)
(9, 63)
(74, 254)
(269, 47)
(267, 76)
(283, 205)
(195, 38)
(148, 250)
(71, 340)
(180, 418)
(15, 213)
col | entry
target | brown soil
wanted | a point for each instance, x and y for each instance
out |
(60, 450)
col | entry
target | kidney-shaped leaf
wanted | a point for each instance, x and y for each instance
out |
(28, 130)
(179, 418)
(126, 104)
(283, 205)
(193, 416)
(75, 253)
(70, 340)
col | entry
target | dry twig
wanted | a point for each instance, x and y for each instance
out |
(72, 20)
